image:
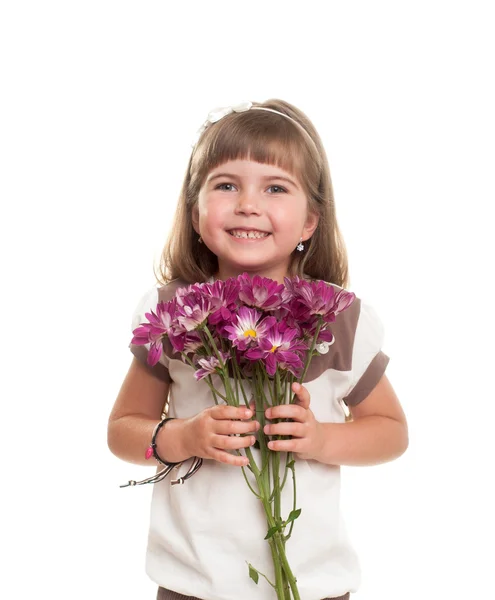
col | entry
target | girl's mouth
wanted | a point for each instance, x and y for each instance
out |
(248, 235)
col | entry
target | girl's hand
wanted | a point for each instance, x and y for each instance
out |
(211, 433)
(306, 431)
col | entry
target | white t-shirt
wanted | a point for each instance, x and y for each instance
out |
(204, 532)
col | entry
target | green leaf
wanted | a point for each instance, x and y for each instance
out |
(293, 515)
(291, 464)
(272, 530)
(253, 573)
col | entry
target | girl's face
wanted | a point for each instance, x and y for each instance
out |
(252, 216)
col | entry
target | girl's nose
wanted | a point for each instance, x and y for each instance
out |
(248, 203)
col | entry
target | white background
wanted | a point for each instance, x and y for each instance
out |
(100, 101)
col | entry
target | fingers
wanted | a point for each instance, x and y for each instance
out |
(251, 406)
(235, 427)
(228, 442)
(223, 411)
(287, 411)
(229, 429)
(297, 411)
(302, 395)
(232, 420)
(220, 447)
(229, 459)
(295, 429)
(222, 444)
(295, 445)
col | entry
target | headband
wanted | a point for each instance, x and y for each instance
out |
(218, 113)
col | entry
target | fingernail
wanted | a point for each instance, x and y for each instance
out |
(247, 413)
(297, 387)
(268, 413)
(266, 428)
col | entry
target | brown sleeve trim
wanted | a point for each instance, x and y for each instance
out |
(159, 370)
(368, 380)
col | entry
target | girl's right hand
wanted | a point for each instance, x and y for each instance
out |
(211, 433)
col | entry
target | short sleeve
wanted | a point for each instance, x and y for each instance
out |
(368, 360)
(148, 302)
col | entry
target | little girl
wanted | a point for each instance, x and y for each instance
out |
(257, 198)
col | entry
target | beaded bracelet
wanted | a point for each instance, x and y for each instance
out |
(151, 451)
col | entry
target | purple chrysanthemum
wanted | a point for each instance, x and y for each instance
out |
(193, 308)
(325, 335)
(260, 292)
(210, 365)
(223, 297)
(160, 325)
(279, 346)
(313, 299)
(187, 342)
(249, 328)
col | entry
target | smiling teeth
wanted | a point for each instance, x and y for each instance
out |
(248, 234)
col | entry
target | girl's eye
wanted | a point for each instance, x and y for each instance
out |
(222, 186)
(281, 189)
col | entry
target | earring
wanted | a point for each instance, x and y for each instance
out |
(300, 246)
(200, 241)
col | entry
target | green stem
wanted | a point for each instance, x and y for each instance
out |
(287, 461)
(260, 415)
(214, 346)
(267, 381)
(238, 376)
(277, 399)
(279, 574)
(285, 565)
(214, 391)
(288, 457)
(232, 400)
(286, 385)
(293, 502)
(310, 355)
(249, 485)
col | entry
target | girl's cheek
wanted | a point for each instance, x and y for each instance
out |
(212, 198)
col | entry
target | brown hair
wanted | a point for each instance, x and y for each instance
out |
(268, 138)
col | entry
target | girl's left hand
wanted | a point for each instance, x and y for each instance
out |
(306, 431)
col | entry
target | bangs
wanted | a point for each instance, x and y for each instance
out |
(254, 135)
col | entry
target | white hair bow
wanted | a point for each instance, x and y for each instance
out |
(218, 113)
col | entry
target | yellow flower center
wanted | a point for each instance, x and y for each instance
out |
(273, 348)
(250, 333)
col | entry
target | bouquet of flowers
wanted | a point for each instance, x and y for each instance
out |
(259, 337)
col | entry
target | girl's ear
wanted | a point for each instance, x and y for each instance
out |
(195, 218)
(310, 225)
